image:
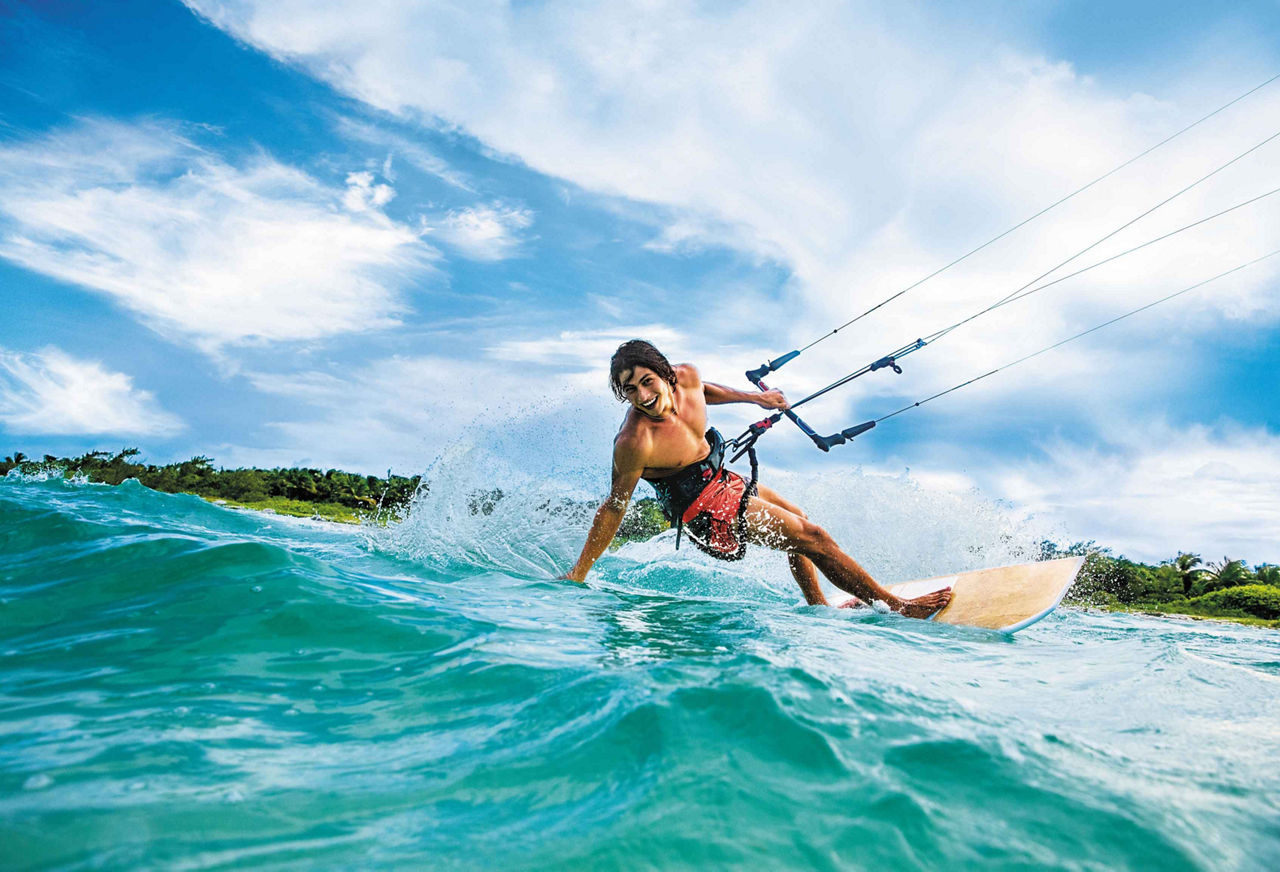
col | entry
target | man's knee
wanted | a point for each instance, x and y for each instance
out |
(813, 539)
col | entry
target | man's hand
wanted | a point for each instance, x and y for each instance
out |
(571, 576)
(771, 399)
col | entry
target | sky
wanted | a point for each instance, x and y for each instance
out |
(339, 234)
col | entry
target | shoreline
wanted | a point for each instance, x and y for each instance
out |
(1246, 620)
(333, 513)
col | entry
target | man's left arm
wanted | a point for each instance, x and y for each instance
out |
(718, 395)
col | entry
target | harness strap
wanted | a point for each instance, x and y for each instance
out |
(748, 492)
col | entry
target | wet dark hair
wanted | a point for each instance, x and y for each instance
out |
(637, 352)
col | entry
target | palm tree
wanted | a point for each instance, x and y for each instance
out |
(1228, 573)
(1186, 565)
(1268, 573)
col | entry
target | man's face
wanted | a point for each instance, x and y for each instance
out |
(644, 389)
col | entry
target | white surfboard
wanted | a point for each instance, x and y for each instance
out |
(1006, 598)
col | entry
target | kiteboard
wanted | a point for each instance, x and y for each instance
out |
(1006, 598)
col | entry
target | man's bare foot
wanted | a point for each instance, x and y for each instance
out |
(924, 606)
(852, 603)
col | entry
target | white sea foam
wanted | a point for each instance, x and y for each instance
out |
(519, 498)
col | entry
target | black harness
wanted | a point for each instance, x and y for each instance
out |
(676, 493)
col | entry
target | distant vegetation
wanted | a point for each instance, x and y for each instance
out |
(1183, 585)
(331, 494)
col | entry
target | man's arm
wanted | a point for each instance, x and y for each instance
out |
(627, 466)
(718, 395)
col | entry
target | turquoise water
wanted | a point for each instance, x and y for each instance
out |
(187, 686)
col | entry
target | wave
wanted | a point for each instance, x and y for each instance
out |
(187, 685)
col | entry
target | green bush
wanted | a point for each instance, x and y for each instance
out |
(643, 521)
(1259, 600)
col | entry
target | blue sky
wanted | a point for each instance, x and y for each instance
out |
(281, 234)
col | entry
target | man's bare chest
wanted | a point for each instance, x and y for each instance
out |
(676, 444)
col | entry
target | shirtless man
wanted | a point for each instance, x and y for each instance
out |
(662, 441)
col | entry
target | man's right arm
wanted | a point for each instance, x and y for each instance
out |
(628, 463)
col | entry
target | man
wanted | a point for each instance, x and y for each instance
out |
(664, 440)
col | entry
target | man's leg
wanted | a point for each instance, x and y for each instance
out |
(771, 524)
(802, 568)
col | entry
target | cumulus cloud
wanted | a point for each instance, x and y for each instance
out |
(363, 194)
(199, 248)
(1160, 489)
(862, 148)
(52, 393)
(485, 232)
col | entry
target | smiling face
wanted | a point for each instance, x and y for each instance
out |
(649, 394)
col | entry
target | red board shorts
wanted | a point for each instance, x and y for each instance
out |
(714, 519)
(708, 502)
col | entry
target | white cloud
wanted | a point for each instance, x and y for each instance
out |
(1161, 489)
(201, 249)
(402, 411)
(403, 147)
(53, 393)
(363, 195)
(486, 232)
(581, 349)
(862, 147)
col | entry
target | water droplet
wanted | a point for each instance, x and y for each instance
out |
(257, 588)
(37, 782)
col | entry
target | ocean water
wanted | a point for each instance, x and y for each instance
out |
(185, 686)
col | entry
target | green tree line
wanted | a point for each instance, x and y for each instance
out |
(247, 486)
(1184, 584)
(331, 494)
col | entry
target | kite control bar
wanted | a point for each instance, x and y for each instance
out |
(748, 438)
(824, 443)
(795, 419)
